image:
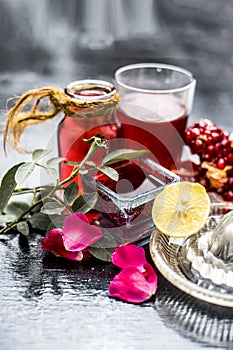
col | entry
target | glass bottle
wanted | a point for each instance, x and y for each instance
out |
(84, 123)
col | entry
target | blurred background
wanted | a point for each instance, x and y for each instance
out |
(54, 42)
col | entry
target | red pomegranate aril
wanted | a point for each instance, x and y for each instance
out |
(228, 196)
(225, 152)
(219, 154)
(218, 146)
(230, 158)
(209, 140)
(188, 136)
(207, 132)
(226, 142)
(204, 123)
(230, 182)
(216, 136)
(198, 146)
(207, 157)
(201, 129)
(210, 149)
(221, 163)
(195, 132)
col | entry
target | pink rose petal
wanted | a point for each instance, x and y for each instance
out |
(78, 233)
(151, 276)
(54, 242)
(129, 255)
(132, 285)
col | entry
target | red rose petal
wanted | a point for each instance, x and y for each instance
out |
(54, 243)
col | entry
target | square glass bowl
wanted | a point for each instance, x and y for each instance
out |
(125, 206)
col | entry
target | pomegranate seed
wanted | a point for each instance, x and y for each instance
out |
(219, 154)
(224, 152)
(230, 181)
(221, 163)
(198, 146)
(205, 123)
(207, 132)
(218, 147)
(196, 132)
(209, 140)
(207, 157)
(228, 196)
(210, 149)
(226, 142)
(230, 158)
(188, 136)
(216, 136)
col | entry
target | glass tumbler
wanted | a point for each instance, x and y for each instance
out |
(156, 100)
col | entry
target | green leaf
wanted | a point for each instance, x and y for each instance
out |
(107, 241)
(85, 202)
(57, 222)
(8, 186)
(4, 219)
(52, 208)
(104, 254)
(71, 163)
(23, 228)
(110, 172)
(70, 192)
(54, 161)
(53, 173)
(24, 171)
(40, 221)
(16, 208)
(122, 154)
(104, 247)
(39, 154)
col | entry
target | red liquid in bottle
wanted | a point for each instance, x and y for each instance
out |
(156, 123)
(73, 129)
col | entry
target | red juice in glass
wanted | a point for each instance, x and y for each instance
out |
(154, 122)
(156, 100)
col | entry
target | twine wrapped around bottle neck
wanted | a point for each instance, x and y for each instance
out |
(18, 118)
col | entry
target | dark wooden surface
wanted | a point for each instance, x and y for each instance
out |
(51, 303)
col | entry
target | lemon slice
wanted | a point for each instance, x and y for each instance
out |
(181, 209)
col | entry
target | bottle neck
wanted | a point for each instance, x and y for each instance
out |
(96, 98)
